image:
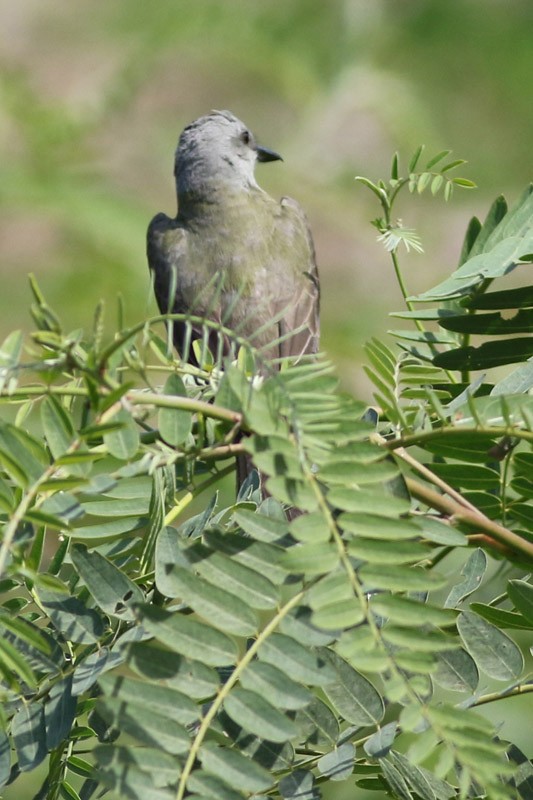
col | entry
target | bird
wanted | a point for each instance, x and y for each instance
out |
(233, 255)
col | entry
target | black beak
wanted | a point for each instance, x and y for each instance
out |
(264, 154)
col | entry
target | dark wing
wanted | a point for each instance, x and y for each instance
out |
(166, 246)
(167, 252)
(300, 322)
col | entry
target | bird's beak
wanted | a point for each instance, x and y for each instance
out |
(265, 154)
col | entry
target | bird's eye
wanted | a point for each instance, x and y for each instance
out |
(245, 137)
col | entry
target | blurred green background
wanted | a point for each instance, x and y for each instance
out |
(94, 95)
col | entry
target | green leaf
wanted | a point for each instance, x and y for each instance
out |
(436, 184)
(294, 492)
(111, 588)
(70, 616)
(352, 695)
(501, 617)
(209, 786)
(380, 743)
(332, 588)
(460, 445)
(423, 782)
(441, 533)
(473, 572)
(494, 652)
(26, 632)
(435, 160)
(257, 715)
(131, 507)
(299, 625)
(13, 663)
(187, 676)
(378, 526)
(5, 759)
(10, 353)
(468, 476)
(521, 297)
(63, 505)
(311, 559)
(275, 455)
(310, 528)
(261, 557)
(223, 609)
(338, 764)
(174, 423)
(345, 473)
(29, 735)
(400, 578)
(423, 641)
(415, 157)
(456, 670)
(404, 611)
(523, 776)
(395, 780)
(297, 661)
(124, 442)
(107, 530)
(233, 768)
(464, 182)
(132, 783)
(521, 595)
(273, 756)
(490, 324)
(487, 355)
(422, 181)
(394, 167)
(21, 456)
(57, 425)
(366, 501)
(508, 243)
(339, 615)
(260, 526)
(59, 710)
(318, 724)
(252, 588)
(402, 552)
(275, 686)
(298, 785)
(189, 637)
(89, 669)
(162, 767)
(162, 699)
(146, 725)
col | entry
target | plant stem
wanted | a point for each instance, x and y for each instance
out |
(493, 431)
(460, 513)
(523, 688)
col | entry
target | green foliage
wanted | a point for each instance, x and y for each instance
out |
(161, 640)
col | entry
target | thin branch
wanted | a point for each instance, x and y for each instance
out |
(523, 688)
(225, 689)
(434, 479)
(183, 403)
(493, 431)
(473, 518)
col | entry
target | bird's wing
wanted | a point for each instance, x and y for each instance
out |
(166, 249)
(166, 246)
(300, 318)
(180, 290)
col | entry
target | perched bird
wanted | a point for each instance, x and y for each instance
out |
(233, 254)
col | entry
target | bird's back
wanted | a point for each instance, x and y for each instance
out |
(247, 264)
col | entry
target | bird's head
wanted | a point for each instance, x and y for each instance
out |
(217, 151)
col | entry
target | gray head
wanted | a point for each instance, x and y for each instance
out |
(215, 152)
